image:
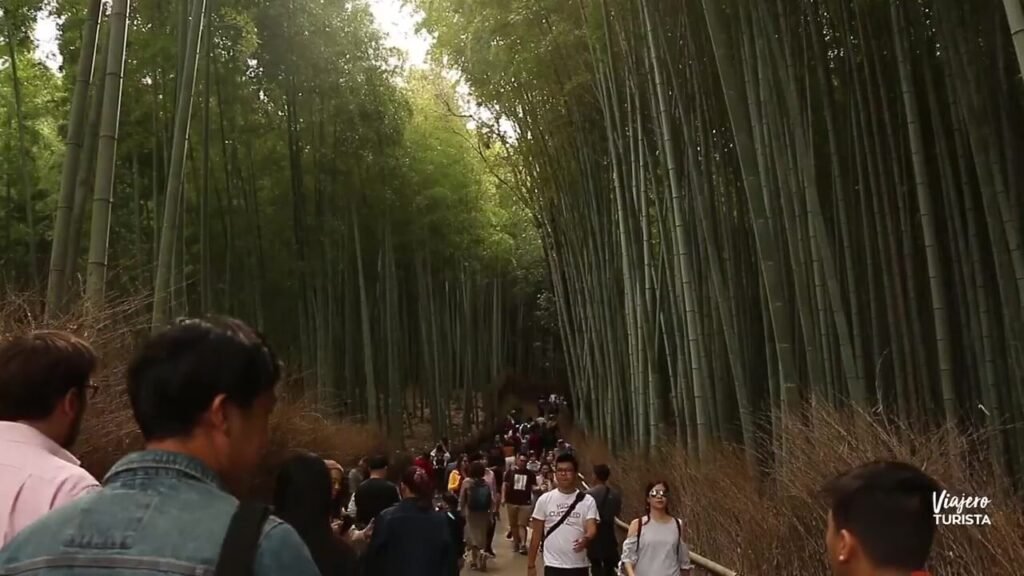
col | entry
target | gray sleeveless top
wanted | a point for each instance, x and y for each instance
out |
(659, 550)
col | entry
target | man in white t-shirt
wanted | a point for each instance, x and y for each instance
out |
(565, 545)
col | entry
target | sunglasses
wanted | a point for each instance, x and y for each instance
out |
(658, 493)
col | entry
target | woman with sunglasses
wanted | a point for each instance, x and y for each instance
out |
(654, 545)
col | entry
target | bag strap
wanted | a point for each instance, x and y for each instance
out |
(679, 534)
(238, 551)
(579, 498)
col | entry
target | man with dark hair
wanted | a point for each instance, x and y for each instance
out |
(603, 552)
(517, 492)
(202, 393)
(44, 388)
(880, 519)
(565, 521)
(375, 495)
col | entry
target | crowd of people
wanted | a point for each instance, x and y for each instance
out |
(202, 392)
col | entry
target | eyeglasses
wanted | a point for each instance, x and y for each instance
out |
(564, 471)
(91, 390)
(659, 493)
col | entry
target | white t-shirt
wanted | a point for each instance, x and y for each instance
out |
(558, 548)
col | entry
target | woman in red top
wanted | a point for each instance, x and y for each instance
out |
(423, 461)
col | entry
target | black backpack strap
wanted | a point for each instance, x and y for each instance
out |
(579, 498)
(238, 551)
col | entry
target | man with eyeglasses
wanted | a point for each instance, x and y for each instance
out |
(44, 389)
(565, 522)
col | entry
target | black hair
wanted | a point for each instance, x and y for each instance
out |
(477, 470)
(887, 506)
(567, 457)
(602, 472)
(302, 498)
(176, 374)
(378, 462)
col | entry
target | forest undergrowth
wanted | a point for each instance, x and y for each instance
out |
(775, 525)
(109, 430)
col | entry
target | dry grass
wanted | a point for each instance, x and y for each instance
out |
(109, 431)
(776, 526)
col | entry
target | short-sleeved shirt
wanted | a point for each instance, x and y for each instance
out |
(609, 506)
(558, 548)
(373, 497)
(519, 486)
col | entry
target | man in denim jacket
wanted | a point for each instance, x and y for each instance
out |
(202, 393)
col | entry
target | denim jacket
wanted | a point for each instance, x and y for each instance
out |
(158, 512)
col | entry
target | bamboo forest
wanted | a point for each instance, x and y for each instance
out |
(704, 218)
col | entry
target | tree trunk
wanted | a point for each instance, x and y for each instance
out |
(182, 121)
(56, 285)
(103, 201)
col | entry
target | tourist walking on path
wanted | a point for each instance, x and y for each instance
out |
(517, 493)
(546, 479)
(412, 538)
(339, 489)
(44, 388)
(302, 498)
(564, 522)
(424, 461)
(457, 525)
(374, 495)
(439, 458)
(654, 545)
(603, 552)
(458, 476)
(202, 393)
(494, 476)
(477, 504)
(880, 520)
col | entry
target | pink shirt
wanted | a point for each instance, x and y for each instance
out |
(36, 476)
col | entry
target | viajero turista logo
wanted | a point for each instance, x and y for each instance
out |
(963, 510)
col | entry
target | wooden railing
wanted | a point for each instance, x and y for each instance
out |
(707, 564)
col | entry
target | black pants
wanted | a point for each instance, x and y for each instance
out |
(603, 566)
(490, 534)
(552, 571)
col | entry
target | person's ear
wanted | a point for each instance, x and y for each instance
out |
(218, 413)
(846, 547)
(71, 404)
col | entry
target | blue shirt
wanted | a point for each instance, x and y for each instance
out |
(157, 512)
